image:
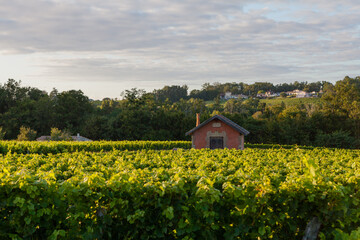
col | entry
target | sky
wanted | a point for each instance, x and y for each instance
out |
(105, 47)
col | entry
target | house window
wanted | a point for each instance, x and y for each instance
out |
(216, 142)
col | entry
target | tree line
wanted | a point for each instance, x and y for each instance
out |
(167, 113)
(211, 91)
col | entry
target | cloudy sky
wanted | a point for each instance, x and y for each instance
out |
(104, 47)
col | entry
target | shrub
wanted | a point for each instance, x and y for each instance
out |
(26, 134)
(337, 139)
(283, 95)
(55, 134)
(58, 135)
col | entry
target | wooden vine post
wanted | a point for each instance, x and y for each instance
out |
(312, 229)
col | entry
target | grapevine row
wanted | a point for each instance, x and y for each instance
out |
(102, 146)
(183, 194)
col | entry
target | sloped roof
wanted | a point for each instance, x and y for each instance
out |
(224, 120)
(74, 138)
(43, 138)
(80, 139)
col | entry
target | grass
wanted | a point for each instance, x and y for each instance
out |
(290, 101)
(275, 101)
(222, 102)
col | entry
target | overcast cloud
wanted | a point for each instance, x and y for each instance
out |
(105, 47)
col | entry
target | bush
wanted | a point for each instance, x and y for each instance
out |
(58, 135)
(337, 139)
(26, 134)
(55, 134)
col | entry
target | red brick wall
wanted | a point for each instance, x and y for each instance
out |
(199, 136)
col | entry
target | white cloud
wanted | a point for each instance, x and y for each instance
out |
(134, 42)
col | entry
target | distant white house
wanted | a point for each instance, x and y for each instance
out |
(299, 93)
(261, 95)
(271, 94)
(267, 94)
(229, 95)
(243, 96)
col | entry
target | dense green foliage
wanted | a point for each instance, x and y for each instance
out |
(99, 146)
(54, 147)
(183, 194)
(291, 101)
(2, 133)
(211, 91)
(168, 113)
(26, 134)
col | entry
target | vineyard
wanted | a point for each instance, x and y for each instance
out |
(133, 190)
(101, 146)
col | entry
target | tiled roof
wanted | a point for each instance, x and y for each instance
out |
(223, 119)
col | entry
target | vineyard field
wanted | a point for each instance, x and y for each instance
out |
(54, 147)
(269, 193)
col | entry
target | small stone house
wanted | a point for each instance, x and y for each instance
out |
(217, 132)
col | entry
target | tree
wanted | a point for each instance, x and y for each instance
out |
(55, 134)
(344, 99)
(216, 106)
(232, 106)
(313, 87)
(71, 108)
(283, 95)
(133, 98)
(250, 105)
(253, 89)
(53, 94)
(26, 134)
(43, 115)
(2, 133)
(338, 139)
(344, 94)
(58, 135)
(96, 127)
(258, 115)
(108, 105)
(207, 93)
(173, 93)
(10, 94)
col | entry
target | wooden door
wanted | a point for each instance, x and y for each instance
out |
(216, 142)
